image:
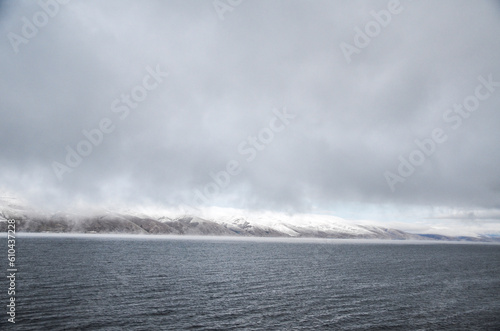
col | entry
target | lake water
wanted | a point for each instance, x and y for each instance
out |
(98, 283)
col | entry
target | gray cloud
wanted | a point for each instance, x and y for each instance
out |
(225, 78)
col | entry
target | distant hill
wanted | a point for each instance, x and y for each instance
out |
(223, 223)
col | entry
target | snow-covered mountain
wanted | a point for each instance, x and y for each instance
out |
(209, 221)
(297, 225)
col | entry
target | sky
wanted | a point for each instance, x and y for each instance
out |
(383, 111)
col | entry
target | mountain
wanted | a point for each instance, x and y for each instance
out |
(211, 222)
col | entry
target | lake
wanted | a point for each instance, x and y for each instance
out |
(166, 283)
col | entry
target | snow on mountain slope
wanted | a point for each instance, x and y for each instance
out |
(292, 225)
(212, 221)
(12, 207)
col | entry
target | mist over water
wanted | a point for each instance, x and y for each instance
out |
(98, 283)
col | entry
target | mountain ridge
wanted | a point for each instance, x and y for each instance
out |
(214, 222)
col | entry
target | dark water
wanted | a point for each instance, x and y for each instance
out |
(137, 284)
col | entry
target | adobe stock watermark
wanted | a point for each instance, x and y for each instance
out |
(223, 7)
(428, 146)
(121, 106)
(31, 27)
(248, 148)
(372, 29)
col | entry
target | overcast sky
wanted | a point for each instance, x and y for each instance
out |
(333, 111)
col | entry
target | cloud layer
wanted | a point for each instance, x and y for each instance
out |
(352, 118)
